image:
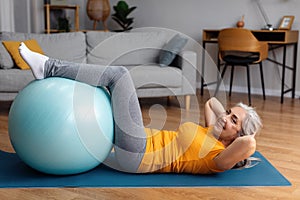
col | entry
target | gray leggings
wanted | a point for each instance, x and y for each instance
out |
(130, 137)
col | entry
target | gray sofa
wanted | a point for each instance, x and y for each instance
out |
(138, 51)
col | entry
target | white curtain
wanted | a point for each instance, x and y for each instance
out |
(7, 19)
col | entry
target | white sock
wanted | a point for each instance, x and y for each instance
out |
(36, 61)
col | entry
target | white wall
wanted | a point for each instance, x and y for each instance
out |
(191, 17)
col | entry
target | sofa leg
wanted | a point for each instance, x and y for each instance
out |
(187, 102)
(169, 100)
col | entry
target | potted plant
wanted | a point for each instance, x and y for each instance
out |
(63, 24)
(122, 11)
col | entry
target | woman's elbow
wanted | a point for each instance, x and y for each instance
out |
(247, 146)
(250, 143)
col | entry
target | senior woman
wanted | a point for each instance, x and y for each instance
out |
(227, 139)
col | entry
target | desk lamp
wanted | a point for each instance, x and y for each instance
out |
(268, 25)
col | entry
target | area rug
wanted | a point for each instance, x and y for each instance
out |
(15, 174)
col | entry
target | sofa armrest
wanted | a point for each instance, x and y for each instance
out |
(187, 61)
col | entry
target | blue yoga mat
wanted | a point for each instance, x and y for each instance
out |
(15, 174)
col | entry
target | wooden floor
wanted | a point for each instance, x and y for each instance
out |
(278, 142)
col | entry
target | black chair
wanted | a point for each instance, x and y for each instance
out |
(239, 47)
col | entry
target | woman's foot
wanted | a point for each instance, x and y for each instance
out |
(35, 61)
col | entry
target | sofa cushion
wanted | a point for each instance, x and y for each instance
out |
(128, 48)
(154, 76)
(171, 49)
(65, 46)
(6, 61)
(13, 80)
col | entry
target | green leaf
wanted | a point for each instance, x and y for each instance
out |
(122, 11)
(122, 5)
(132, 9)
(119, 22)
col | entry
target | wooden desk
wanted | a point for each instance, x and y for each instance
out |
(49, 7)
(275, 39)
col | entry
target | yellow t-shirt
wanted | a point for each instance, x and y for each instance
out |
(190, 149)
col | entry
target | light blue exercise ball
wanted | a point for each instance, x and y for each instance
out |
(60, 126)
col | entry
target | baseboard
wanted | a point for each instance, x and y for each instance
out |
(269, 92)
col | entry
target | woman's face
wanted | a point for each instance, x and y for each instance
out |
(230, 124)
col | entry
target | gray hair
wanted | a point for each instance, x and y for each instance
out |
(252, 122)
(250, 125)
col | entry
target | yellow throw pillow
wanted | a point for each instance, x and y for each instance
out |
(13, 48)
